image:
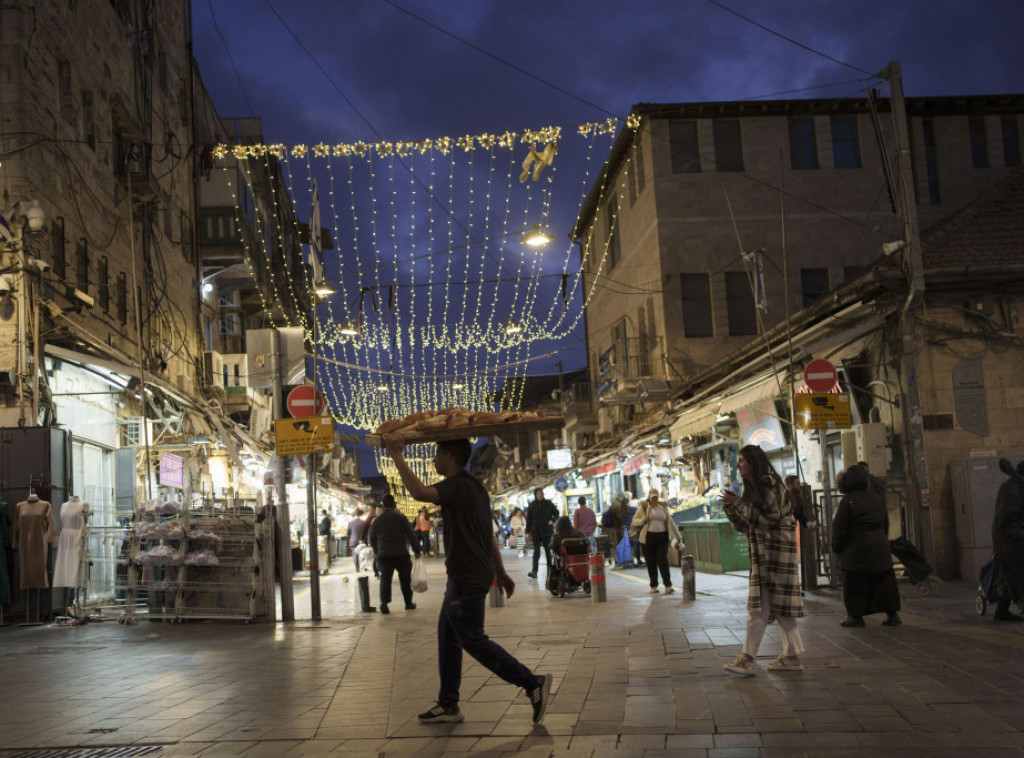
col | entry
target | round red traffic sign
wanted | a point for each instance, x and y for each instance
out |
(304, 400)
(820, 376)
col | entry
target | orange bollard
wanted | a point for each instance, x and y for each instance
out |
(598, 587)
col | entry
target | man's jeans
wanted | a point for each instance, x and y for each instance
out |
(461, 627)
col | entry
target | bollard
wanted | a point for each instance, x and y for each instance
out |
(496, 596)
(598, 588)
(689, 578)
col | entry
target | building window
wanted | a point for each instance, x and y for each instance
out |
(813, 284)
(696, 293)
(740, 304)
(636, 169)
(82, 265)
(979, 141)
(122, 298)
(88, 121)
(1011, 141)
(614, 251)
(728, 146)
(928, 134)
(57, 260)
(803, 144)
(845, 142)
(682, 138)
(103, 284)
(66, 102)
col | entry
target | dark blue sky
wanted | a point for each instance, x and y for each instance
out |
(373, 70)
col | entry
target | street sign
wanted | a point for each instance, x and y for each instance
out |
(304, 401)
(820, 376)
(561, 484)
(303, 436)
(823, 410)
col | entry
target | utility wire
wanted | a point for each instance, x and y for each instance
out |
(238, 78)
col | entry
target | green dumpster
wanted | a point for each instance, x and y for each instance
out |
(715, 545)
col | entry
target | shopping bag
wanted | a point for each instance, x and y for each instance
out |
(512, 541)
(419, 576)
(623, 551)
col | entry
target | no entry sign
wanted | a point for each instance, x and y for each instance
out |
(820, 376)
(304, 401)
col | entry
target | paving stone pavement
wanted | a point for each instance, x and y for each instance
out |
(639, 675)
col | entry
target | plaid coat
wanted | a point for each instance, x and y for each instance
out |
(771, 537)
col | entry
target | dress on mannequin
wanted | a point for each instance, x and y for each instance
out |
(33, 529)
(5, 553)
(69, 543)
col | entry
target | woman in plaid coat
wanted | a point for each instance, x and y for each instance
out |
(765, 514)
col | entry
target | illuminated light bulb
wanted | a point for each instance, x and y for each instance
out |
(207, 288)
(323, 289)
(349, 329)
(382, 387)
(537, 237)
(458, 386)
(513, 328)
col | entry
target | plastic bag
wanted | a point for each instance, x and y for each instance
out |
(623, 551)
(419, 576)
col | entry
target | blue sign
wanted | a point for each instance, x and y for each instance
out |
(561, 484)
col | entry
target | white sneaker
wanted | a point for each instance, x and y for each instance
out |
(741, 665)
(782, 663)
(654, 590)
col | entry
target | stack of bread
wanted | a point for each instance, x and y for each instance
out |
(452, 418)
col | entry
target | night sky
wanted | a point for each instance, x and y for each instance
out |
(376, 70)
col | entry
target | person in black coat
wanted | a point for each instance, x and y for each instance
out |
(391, 536)
(860, 536)
(1008, 541)
(540, 525)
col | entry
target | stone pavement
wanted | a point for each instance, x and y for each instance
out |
(640, 675)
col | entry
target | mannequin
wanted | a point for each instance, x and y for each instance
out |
(73, 515)
(33, 529)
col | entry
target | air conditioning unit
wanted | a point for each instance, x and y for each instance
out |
(213, 363)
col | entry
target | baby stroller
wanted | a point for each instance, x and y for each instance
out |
(571, 568)
(915, 567)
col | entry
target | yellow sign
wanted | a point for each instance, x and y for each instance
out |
(823, 410)
(302, 436)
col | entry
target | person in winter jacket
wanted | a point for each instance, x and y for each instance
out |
(765, 515)
(657, 530)
(1008, 541)
(860, 537)
(540, 525)
(391, 536)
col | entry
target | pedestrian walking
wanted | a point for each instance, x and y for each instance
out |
(356, 529)
(765, 515)
(585, 520)
(422, 528)
(473, 563)
(1008, 541)
(656, 531)
(860, 537)
(517, 526)
(540, 525)
(391, 536)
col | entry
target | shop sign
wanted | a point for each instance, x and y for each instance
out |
(559, 458)
(760, 426)
(172, 470)
(823, 410)
(302, 436)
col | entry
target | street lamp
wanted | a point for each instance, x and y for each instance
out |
(537, 236)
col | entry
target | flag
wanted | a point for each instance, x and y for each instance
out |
(315, 253)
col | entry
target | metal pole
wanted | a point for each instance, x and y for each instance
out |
(314, 552)
(284, 529)
(826, 483)
(913, 424)
(36, 356)
(19, 229)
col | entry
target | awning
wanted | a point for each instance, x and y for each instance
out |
(695, 421)
(601, 468)
(765, 389)
(634, 464)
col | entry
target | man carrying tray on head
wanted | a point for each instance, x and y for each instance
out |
(473, 563)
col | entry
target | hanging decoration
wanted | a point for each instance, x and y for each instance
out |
(438, 302)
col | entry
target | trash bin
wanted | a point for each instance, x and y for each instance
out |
(297, 559)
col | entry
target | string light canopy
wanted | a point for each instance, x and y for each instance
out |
(446, 282)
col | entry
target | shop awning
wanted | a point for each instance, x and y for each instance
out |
(694, 422)
(599, 469)
(764, 389)
(634, 464)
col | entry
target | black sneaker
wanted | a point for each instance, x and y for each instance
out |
(384, 608)
(410, 606)
(441, 714)
(540, 696)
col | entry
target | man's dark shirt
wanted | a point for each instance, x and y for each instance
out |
(468, 533)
